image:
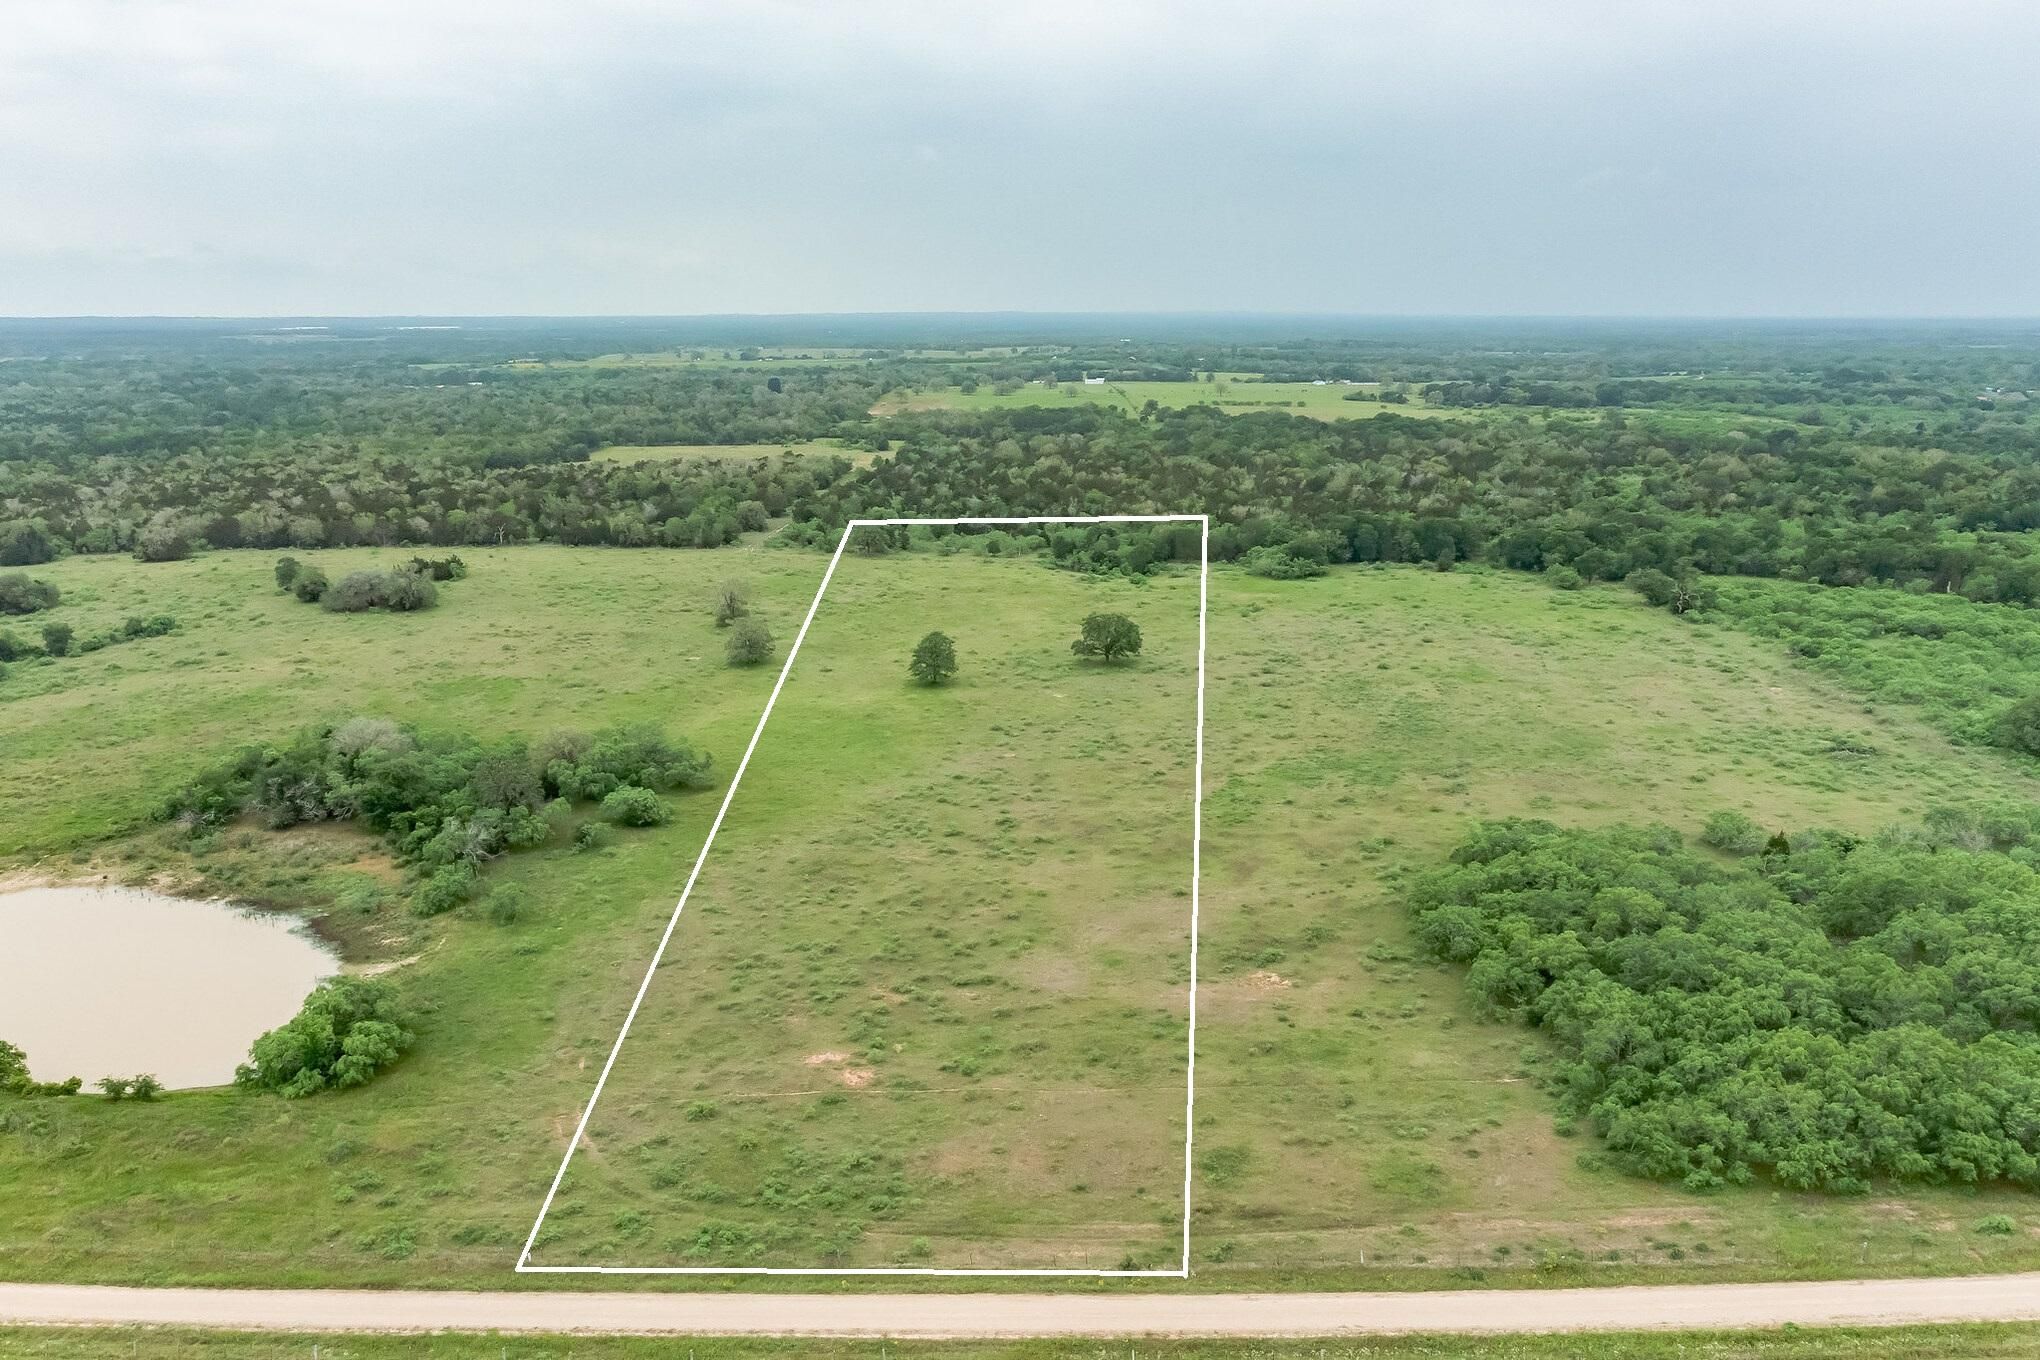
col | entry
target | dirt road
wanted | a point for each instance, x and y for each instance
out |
(1965, 1299)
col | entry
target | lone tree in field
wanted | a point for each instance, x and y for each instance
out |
(750, 643)
(1108, 637)
(732, 601)
(934, 659)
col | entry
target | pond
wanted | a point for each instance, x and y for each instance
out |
(101, 982)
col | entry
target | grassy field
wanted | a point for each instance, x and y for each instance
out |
(1297, 398)
(1975, 1342)
(666, 453)
(944, 1022)
(1356, 1124)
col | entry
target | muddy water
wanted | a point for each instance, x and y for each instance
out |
(116, 981)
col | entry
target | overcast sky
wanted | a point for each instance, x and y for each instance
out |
(260, 157)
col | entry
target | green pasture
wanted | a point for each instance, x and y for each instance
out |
(974, 895)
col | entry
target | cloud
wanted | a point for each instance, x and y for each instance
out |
(228, 156)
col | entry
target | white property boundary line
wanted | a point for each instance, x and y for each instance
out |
(524, 1266)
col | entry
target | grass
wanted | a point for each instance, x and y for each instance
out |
(946, 1023)
(1963, 1342)
(1356, 1125)
(1237, 396)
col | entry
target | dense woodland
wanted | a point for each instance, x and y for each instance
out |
(1829, 1012)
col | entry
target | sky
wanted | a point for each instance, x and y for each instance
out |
(665, 157)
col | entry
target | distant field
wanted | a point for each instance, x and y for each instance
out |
(1299, 398)
(1357, 1123)
(704, 359)
(666, 453)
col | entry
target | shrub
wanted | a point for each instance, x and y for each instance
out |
(56, 638)
(309, 585)
(358, 591)
(1996, 1225)
(155, 625)
(634, 806)
(750, 643)
(732, 601)
(506, 904)
(1655, 587)
(15, 1080)
(358, 736)
(12, 648)
(144, 1087)
(20, 595)
(437, 568)
(2018, 727)
(287, 569)
(404, 591)
(593, 767)
(590, 836)
(446, 888)
(1733, 832)
(934, 659)
(13, 1066)
(115, 1088)
(1108, 637)
(162, 542)
(353, 593)
(1280, 564)
(1563, 577)
(349, 1029)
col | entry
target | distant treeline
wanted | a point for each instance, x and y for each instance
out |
(169, 450)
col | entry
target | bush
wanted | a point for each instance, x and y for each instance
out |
(750, 643)
(934, 659)
(13, 1066)
(584, 767)
(162, 543)
(12, 648)
(732, 602)
(1656, 588)
(634, 806)
(2018, 727)
(20, 595)
(114, 1088)
(1733, 832)
(56, 638)
(590, 836)
(437, 568)
(349, 1029)
(1563, 577)
(446, 888)
(287, 569)
(309, 585)
(1280, 564)
(506, 905)
(359, 591)
(405, 591)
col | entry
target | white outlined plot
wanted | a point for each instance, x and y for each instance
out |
(524, 1263)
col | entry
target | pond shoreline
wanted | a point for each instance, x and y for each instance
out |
(105, 979)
